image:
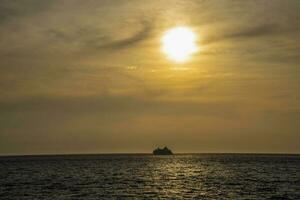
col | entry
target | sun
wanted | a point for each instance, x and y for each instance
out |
(179, 44)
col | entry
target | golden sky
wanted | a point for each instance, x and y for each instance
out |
(87, 76)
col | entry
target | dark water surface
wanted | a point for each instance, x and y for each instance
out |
(197, 176)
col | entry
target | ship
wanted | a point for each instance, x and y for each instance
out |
(164, 151)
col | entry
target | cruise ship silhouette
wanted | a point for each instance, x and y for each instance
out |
(164, 151)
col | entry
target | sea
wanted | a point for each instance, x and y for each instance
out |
(142, 176)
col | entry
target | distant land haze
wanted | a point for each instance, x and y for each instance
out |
(93, 77)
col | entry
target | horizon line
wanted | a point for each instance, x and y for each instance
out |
(146, 153)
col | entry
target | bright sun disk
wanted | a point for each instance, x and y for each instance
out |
(179, 44)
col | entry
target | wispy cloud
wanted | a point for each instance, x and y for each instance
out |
(97, 39)
(141, 35)
(245, 32)
(14, 9)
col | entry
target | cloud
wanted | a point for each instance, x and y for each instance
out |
(87, 39)
(128, 105)
(250, 32)
(256, 31)
(12, 9)
(130, 41)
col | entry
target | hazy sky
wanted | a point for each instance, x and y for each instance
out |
(89, 76)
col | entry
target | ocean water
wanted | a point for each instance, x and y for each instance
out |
(196, 176)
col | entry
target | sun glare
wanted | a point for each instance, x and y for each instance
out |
(179, 44)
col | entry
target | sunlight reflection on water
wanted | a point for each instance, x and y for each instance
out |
(144, 176)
